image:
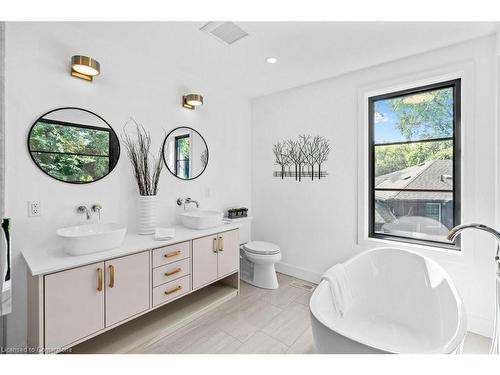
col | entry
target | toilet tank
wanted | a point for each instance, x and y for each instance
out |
(245, 228)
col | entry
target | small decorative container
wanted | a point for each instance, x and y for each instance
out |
(146, 214)
(235, 213)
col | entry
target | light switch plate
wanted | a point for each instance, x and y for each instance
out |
(34, 208)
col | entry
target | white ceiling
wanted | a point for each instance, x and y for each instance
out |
(306, 51)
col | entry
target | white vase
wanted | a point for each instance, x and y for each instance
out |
(146, 214)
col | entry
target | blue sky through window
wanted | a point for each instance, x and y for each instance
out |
(385, 123)
(438, 104)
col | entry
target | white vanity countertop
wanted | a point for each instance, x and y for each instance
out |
(43, 261)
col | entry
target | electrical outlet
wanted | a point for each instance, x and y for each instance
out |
(34, 208)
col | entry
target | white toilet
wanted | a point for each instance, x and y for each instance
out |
(257, 259)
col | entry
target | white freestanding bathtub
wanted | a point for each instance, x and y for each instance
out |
(403, 303)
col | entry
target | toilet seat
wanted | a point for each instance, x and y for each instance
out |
(261, 248)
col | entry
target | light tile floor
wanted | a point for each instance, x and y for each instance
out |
(260, 321)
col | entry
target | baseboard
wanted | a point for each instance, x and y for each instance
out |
(481, 326)
(298, 272)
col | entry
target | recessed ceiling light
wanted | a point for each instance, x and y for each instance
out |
(272, 60)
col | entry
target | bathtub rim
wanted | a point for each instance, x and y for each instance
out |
(451, 346)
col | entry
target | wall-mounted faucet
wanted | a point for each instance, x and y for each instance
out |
(97, 208)
(185, 201)
(459, 228)
(495, 347)
(83, 210)
(88, 212)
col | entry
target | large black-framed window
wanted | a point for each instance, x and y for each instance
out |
(414, 164)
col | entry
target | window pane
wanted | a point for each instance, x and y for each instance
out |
(183, 145)
(421, 165)
(418, 215)
(183, 168)
(183, 150)
(413, 159)
(70, 139)
(424, 115)
(73, 168)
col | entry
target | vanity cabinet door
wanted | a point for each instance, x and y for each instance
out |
(127, 287)
(204, 260)
(229, 252)
(74, 305)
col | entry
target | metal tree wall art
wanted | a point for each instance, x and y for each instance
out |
(302, 157)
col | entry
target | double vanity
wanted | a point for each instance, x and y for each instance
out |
(99, 278)
(74, 298)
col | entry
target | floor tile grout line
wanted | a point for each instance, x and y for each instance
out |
(301, 333)
(299, 336)
(273, 338)
(242, 342)
(260, 296)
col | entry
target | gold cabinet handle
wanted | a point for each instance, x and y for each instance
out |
(177, 288)
(215, 245)
(221, 244)
(172, 254)
(111, 276)
(99, 279)
(173, 272)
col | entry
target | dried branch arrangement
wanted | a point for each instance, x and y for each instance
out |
(204, 158)
(146, 167)
(299, 158)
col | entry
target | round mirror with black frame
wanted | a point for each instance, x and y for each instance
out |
(185, 153)
(73, 145)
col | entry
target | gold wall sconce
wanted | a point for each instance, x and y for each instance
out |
(85, 67)
(191, 101)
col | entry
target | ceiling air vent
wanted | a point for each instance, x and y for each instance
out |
(226, 32)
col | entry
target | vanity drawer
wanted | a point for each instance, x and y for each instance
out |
(169, 254)
(169, 272)
(168, 291)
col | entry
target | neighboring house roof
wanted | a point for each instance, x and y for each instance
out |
(431, 175)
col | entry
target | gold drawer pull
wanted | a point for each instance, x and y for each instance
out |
(167, 292)
(99, 279)
(215, 245)
(111, 276)
(172, 254)
(221, 246)
(173, 272)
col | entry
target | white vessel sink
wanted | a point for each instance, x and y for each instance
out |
(201, 219)
(92, 238)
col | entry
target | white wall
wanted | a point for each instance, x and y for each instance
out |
(315, 222)
(38, 80)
